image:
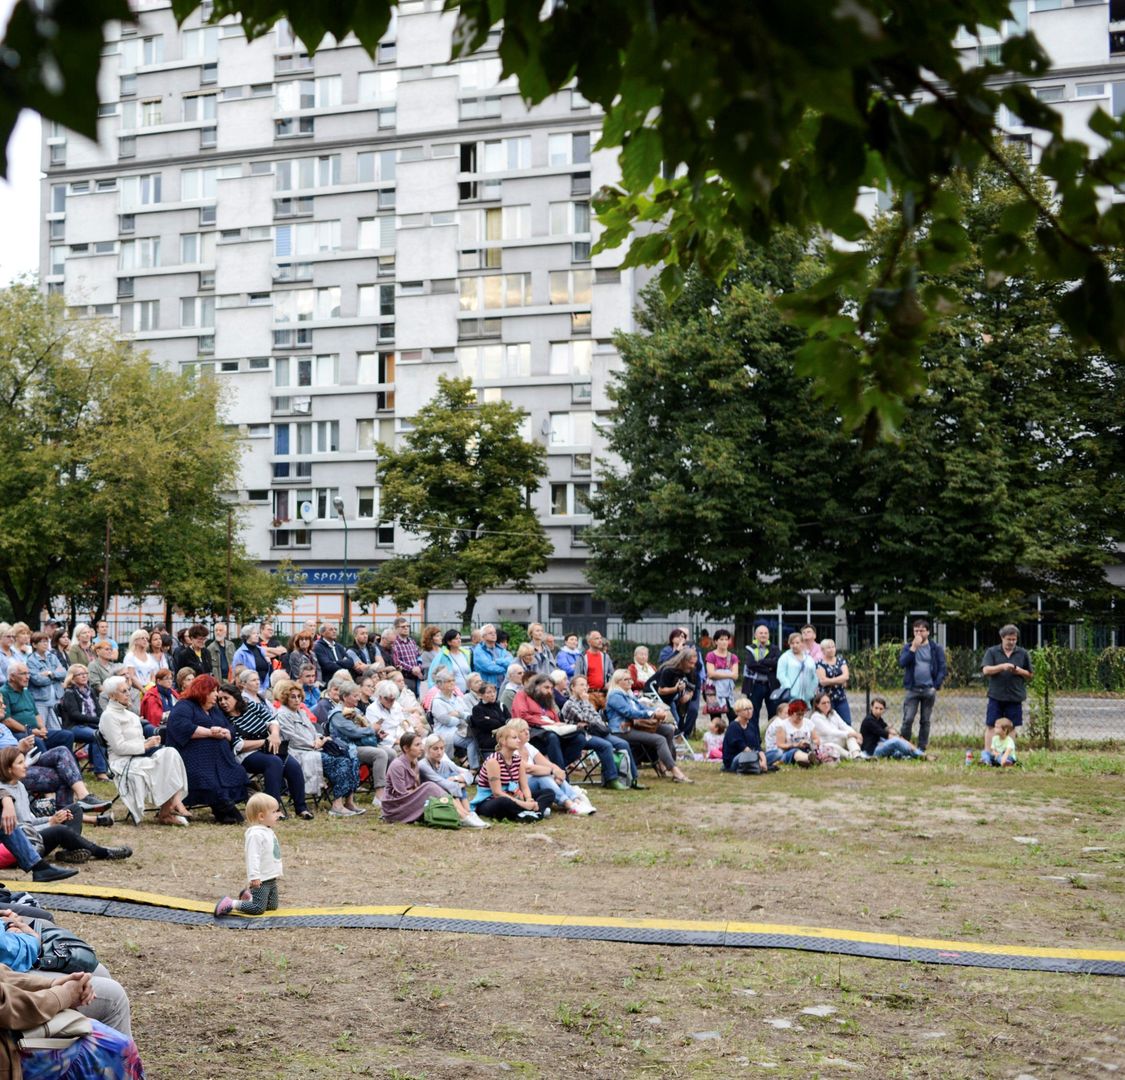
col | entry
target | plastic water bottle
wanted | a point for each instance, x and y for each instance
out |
(968, 757)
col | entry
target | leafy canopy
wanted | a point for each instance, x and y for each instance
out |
(93, 434)
(461, 483)
(733, 120)
(739, 485)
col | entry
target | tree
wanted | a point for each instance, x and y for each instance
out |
(461, 483)
(94, 436)
(764, 114)
(739, 484)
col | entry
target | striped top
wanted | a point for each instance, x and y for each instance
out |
(509, 772)
(255, 720)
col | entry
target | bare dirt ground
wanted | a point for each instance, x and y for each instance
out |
(925, 849)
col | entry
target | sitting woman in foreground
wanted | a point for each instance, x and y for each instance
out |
(790, 738)
(436, 767)
(407, 793)
(502, 788)
(644, 728)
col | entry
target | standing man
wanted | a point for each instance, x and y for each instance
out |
(102, 634)
(1007, 667)
(597, 665)
(759, 675)
(386, 646)
(808, 636)
(330, 654)
(489, 658)
(405, 650)
(221, 652)
(923, 671)
(544, 658)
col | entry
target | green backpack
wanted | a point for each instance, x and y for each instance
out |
(441, 813)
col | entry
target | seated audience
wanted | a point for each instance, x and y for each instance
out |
(79, 713)
(437, 768)
(742, 736)
(831, 727)
(580, 710)
(622, 711)
(790, 738)
(503, 792)
(486, 717)
(451, 717)
(407, 793)
(543, 776)
(348, 726)
(879, 740)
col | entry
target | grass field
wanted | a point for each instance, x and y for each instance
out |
(926, 849)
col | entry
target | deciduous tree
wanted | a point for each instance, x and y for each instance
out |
(461, 483)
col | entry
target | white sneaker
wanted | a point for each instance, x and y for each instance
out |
(585, 807)
(474, 821)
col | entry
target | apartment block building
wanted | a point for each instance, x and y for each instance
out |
(327, 235)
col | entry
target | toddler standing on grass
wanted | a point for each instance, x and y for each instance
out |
(1003, 751)
(263, 859)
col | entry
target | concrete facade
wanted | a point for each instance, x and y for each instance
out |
(327, 235)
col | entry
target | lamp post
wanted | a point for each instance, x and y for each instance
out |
(338, 503)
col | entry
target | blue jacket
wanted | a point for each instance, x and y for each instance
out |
(45, 690)
(906, 662)
(620, 706)
(491, 663)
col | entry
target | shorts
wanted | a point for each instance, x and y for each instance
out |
(1013, 710)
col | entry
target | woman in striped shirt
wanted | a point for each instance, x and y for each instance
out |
(502, 788)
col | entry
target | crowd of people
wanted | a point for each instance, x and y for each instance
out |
(196, 720)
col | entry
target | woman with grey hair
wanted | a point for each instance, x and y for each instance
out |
(142, 770)
(250, 653)
(348, 725)
(386, 715)
(450, 713)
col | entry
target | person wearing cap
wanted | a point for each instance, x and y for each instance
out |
(790, 738)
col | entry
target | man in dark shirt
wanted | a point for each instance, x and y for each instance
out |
(880, 741)
(1007, 667)
(759, 671)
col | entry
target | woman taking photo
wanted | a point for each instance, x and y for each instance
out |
(623, 709)
(203, 735)
(674, 684)
(144, 772)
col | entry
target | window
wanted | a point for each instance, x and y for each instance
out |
(299, 207)
(376, 300)
(572, 428)
(141, 52)
(1050, 94)
(495, 361)
(58, 198)
(150, 113)
(375, 369)
(571, 357)
(306, 371)
(128, 85)
(200, 107)
(294, 127)
(570, 218)
(324, 436)
(571, 286)
(140, 254)
(201, 44)
(364, 435)
(58, 260)
(306, 239)
(480, 108)
(203, 183)
(309, 172)
(58, 153)
(582, 463)
(475, 75)
(197, 247)
(365, 503)
(496, 224)
(376, 234)
(305, 305)
(501, 155)
(1090, 90)
(570, 499)
(57, 230)
(495, 291)
(147, 315)
(377, 87)
(197, 311)
(125, 286)
(375, 167)
(568, 149)
(299, 271)
(140, 190)
(298, 94)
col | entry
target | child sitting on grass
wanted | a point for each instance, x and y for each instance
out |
(1003, 751)
(263, 859)
(713, 739)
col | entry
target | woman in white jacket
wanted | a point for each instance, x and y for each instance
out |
(142, 769)
(832, 729)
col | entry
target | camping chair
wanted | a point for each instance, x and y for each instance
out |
(585, 768)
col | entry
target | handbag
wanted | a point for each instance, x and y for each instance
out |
(58, 1032)
(440, 813)
(747, 763)
(333, 749)
(646, 723)
(781, 695)
(561, 730)
(711, 704)
(62, 951)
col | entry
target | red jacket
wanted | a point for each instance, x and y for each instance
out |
(528, 709)
(152, 708)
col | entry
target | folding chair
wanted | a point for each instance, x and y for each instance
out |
(585, 768)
